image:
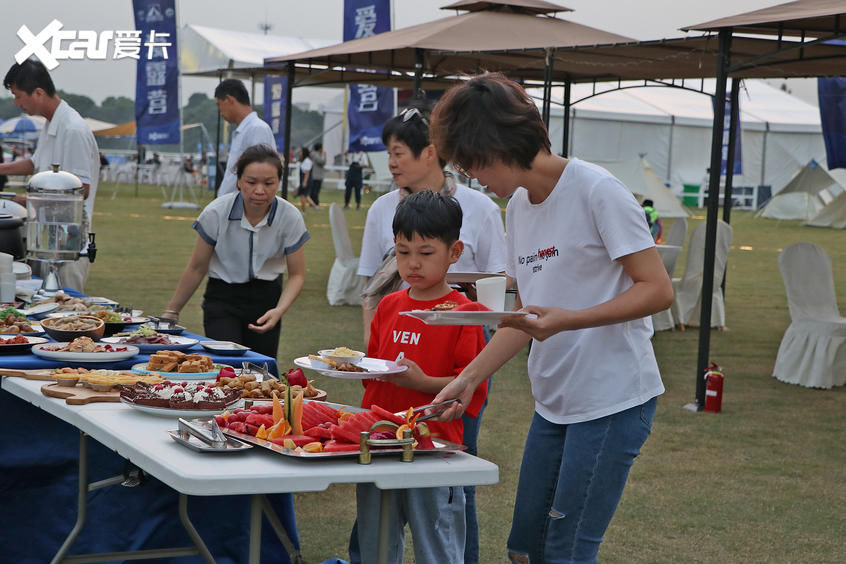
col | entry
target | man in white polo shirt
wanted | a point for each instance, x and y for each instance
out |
(65, 140)
(234, 104)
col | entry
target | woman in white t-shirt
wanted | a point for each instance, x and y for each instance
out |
(587, 268)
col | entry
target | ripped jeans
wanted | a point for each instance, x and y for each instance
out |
(571, 480)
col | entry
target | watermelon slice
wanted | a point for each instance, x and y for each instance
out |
(344, 434)
(336, 446)
(386, 415)
(319, 432)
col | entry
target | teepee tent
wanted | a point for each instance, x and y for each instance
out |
(833, 215)
(639, 177)
(805, 195)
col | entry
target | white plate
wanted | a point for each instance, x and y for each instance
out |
(171, 412)
(39, 309)
(224, 347)
(468, 277)
(97, 300)
(176, 343)
(141, 368)
(20, 347)
(461, 317)
(375, 367)
(36, 330)
(39, 350)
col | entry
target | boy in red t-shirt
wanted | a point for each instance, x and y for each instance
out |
(426, 227)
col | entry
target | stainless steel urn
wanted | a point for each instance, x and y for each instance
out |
(55, 229)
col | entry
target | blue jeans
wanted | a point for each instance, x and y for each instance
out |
(571, 480)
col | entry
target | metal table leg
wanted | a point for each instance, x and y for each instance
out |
(82, 510)
(385, 499)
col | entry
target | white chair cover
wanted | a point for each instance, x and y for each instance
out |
(812, 351)
(688, 289)
(677, 233)
(345, 286)
(663, 320)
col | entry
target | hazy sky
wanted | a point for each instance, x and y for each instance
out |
(316, 19)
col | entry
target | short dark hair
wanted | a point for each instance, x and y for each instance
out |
(648, 202)
(428, 214)
(259, 154)
(410, 126)
(318, 146)
(488, 119)
(232, 87)
(28, 76)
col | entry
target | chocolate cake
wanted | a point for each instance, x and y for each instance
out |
(180, 395)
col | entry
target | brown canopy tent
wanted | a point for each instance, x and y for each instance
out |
(665, 61)
(428, 51)
(819, 19)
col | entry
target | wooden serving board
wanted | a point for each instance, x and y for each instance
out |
(78, 395)
(36, 374)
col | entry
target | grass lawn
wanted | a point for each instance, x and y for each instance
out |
(765, 481)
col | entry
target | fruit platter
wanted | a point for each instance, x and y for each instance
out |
(293, 426)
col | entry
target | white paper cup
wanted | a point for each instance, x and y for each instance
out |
(490, 292)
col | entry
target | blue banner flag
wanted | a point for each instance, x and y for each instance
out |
(738, 153)
(832, 97)
(157, 73)
(369, 106)
(275, 89)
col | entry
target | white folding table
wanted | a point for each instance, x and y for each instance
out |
(143, 440)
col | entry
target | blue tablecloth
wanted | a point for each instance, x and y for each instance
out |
(39, 455)
(29, 361)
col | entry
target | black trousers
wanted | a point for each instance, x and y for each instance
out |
(229, 308)
(314, 186)
(348, 192)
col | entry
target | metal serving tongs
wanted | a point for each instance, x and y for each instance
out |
(443, 405)
(263, 370)
(204, 429)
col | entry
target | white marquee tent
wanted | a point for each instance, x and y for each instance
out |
(671, 128)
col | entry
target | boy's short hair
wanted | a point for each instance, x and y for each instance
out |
(232, 87)
(429, 214)
(29, 75)
(488, 119)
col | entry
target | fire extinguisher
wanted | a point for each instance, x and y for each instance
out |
(713, 388)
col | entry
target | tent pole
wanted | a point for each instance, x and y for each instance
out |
(711, 220)
(733, 123)
(547, 87)
(669, 174)
(732, 144)
(566, 134)
(289, 94)
(418, 72)
(218, 177)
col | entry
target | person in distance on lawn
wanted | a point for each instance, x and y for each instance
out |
(426, 226)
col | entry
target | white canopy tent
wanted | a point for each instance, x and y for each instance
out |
(671, 127)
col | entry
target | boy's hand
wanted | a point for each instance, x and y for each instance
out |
(413, 378)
